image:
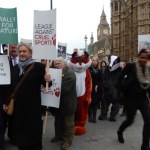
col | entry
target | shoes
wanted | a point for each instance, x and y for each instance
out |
(112, 119)
(56, 139)
(65, 146)
(2, 148)
(102, 118)
(123, 114)
(94, 120)
(90, 119)
(120, 136)
(145, 147)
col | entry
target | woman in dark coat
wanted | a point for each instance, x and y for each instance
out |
(136, 91)
(96, 75)
(26, 120)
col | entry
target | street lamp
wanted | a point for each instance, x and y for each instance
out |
(51, 4)
(85, 42)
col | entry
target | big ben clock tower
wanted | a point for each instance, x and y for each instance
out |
(103, 27)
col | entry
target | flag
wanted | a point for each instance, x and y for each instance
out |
(62, 50)
(8, 26)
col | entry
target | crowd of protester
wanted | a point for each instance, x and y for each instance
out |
(123, 85)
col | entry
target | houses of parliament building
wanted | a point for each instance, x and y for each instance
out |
(129, 18)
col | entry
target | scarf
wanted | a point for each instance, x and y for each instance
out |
(95, 70)
(143, 78)
(22, 65)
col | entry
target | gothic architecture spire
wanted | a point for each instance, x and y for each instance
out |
(103, 27)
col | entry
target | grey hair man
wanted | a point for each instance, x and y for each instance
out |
(64, 118)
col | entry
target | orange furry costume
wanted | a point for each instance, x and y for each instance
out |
(80, 62)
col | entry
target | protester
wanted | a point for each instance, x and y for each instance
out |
(13, 55)
(102, 67)
(13, 60)
(79, 63)
(123, 113)
(110, 93)
(96, 75)
(136, 92)
(3, 116)
(2, 127)
(64, 118)
(26, 120)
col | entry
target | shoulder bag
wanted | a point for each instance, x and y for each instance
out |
(10, 105)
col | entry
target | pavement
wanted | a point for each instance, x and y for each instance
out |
(100, 136)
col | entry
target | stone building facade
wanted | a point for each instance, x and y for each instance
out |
(129, 18)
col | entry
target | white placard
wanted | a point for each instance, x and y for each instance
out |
(52, 97)
(4, 70)
(44, 35)
(143, 41)
(62, 50)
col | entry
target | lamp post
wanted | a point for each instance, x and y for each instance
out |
(85, 42)
(51, 4)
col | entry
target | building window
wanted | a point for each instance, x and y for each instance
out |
(149, 10)
(115, 23)
(116, 6)
(142, 29)
(142, 12)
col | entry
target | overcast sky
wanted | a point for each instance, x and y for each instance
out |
(75, 18)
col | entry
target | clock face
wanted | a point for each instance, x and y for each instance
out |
(105, 31)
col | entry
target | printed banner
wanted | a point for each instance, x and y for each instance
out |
(44, 34)
(29, 41)
(8, 26)
(143, 41)
(52, 97)
(4, 70)
(62, 50)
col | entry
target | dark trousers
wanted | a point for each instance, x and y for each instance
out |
(92, 111)
(64, 127)
(131, 109)
(105, 107)
(2, 126)
(37, 146)
(1, 135)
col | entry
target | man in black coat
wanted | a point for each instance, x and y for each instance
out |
(2, 115)
(13, 60)
(26, 122)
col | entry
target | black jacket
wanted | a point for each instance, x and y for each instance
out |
(132, 89)
(26, 121)
(110, 84)
(96, 81)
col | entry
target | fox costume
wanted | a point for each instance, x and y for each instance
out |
(79, 63)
